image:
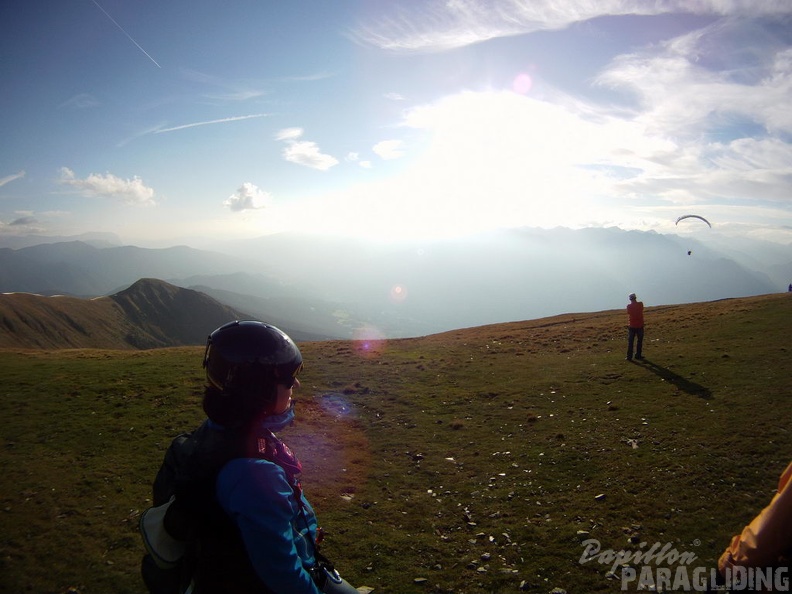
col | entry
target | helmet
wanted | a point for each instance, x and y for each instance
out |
(245, 360)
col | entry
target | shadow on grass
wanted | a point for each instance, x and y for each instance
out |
(680, 382)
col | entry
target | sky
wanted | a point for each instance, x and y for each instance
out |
(191, 120)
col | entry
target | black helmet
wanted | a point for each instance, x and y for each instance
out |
(244, 362)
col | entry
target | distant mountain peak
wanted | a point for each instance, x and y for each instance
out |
(173, 314)
(149, 314)
(148, 285)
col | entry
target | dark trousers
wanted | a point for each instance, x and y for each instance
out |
(632, 334)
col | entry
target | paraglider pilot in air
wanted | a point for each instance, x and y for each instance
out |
(230, 514)
(692, 216)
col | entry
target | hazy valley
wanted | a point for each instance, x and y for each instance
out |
(330, 288)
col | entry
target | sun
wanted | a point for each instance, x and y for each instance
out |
(487, 161)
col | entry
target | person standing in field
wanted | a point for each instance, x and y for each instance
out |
(635, 327)
(229, 514)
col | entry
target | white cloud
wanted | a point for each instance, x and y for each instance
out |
(304, 152)
(710, 78)
(248, 197)
(389, 149)
(723, 110)
(307, 153)
(81, 101)
(10, 178)
(776, 91)
(437, 25)
(355, 158)
(289, 134)
(129, 191)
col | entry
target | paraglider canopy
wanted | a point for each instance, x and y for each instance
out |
(692, 216)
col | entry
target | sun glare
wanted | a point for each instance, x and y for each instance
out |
(492, 160)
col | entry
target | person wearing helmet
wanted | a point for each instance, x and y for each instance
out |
(635, 327)
(229, 512)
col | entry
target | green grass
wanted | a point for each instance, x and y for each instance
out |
(473, 461)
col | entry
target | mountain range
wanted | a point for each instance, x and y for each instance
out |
(336, 288)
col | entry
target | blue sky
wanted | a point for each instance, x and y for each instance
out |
(169, 122)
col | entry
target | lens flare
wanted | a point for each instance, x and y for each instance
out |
(522, 83)
(337, 404)
(398, 293)
(369, 342)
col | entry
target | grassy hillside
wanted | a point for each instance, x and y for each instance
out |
(34, 321)
(473, 461)
(149, 314)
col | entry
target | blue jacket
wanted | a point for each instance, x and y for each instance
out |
(275, 520)
(239, 500)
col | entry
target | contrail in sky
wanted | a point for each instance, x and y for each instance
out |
(125, 33)
(10, 178)
(224, 120)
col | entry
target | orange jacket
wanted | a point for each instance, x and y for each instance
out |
(635, 312)
(767, 540)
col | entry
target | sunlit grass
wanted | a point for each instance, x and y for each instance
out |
(472, 461)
